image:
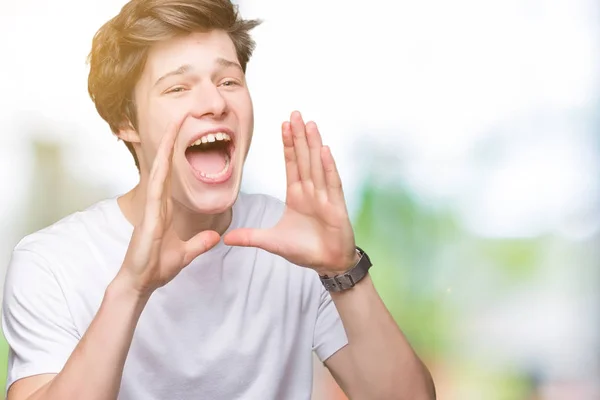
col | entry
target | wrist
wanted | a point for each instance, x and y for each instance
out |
(348, 279)
(122, 287)
(335, 271)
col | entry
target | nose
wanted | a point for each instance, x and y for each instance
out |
(209, 102)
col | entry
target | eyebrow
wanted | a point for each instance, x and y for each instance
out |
(225, 63)
(222, 62)
(179, 71)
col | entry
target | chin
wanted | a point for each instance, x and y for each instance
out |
(212, 201)
(201, 197)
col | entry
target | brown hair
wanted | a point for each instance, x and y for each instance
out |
(120, 48)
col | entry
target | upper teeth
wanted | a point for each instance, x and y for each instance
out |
(211, 137)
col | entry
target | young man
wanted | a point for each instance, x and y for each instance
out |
(184, 288)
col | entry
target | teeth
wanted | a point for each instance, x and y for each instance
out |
(212, 137)
(220, 173)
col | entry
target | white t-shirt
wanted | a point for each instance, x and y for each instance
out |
(237, 323)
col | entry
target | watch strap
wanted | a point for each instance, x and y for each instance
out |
(350, 278)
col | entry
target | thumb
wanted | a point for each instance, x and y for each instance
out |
(200, 243)
(247, 237)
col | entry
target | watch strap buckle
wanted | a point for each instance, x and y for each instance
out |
(350, 278)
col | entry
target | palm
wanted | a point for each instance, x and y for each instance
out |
(315, 230)
(170, 256)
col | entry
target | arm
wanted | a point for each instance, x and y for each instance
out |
(95, 367)
(315, 232)
(155, 255)
(378, 362)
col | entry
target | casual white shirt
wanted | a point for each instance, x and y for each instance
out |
(237, 323)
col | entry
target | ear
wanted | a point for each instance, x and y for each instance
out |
(127, 133)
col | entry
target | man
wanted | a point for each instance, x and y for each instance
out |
(184, 288)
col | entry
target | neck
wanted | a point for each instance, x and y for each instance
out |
(186, 222)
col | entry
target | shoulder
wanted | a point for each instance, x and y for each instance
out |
(65, 236)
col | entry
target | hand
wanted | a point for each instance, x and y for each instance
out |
(156, 254)
(315, 230)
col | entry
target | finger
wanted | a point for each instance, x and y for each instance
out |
(200, 243)
(291, 167)
(300, 146)
(315, 144)
(247, 237)
(332, 177)
(161, 169)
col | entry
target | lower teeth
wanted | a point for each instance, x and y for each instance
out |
(218, 174)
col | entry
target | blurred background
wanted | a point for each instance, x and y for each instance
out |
(467, 136)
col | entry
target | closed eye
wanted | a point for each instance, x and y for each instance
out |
(230, 82)
(176, 89)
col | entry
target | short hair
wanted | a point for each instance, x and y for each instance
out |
(120, 48)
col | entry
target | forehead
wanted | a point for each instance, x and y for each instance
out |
(201, 50)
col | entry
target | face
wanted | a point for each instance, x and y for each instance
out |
(196, 78)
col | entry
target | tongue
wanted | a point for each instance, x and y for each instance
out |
(207, 161)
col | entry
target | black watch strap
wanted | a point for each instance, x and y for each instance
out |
(347, 280)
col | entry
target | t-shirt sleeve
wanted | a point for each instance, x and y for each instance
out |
(329, 335)
(36, 320)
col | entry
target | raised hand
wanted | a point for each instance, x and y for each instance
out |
(156, 254)
(315, 230)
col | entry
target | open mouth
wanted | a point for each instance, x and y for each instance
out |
(210, 156)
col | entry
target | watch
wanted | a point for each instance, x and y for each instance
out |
(350, 278)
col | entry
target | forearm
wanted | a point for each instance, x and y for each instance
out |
(386, 365)
(95, 368)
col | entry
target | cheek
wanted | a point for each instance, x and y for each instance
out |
(250, 120)
(157, 119)
(244, 110)
(240, 101)
(249, 107)
(163, 111)
(148, 149)
(150, 134)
